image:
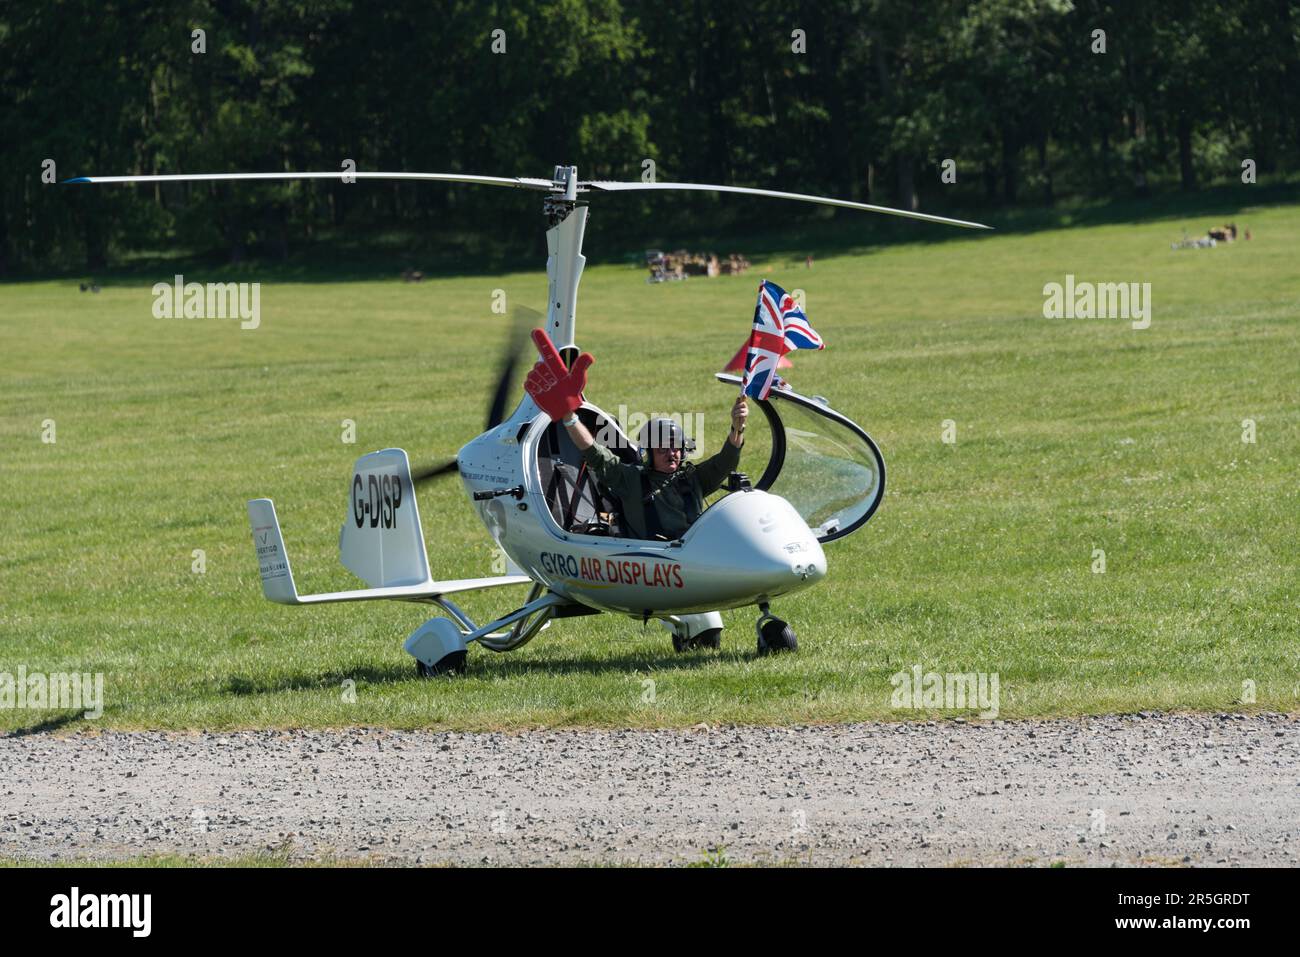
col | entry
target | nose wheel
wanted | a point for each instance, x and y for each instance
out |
(703, 630)
(712, 638)
(773, 633)
(450, 665)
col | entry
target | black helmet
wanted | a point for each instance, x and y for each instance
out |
(663, 434)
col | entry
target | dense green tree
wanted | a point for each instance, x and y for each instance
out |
(861, 98)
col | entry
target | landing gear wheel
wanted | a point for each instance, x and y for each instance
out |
(776, 635)
(681, 644)
(709, 639)
(452, 664)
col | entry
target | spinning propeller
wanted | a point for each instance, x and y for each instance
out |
(522, 319)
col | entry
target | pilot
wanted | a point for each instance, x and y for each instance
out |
(663, 495)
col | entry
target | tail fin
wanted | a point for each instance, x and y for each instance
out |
(381, 540)
(272, 559)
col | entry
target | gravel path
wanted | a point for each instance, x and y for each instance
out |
(1159, 789)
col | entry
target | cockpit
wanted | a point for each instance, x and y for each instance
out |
(578, 502)
(821, 462)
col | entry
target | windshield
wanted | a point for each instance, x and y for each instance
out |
(830, 474)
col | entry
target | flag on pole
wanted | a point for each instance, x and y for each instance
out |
(737, 362)
(780, 326)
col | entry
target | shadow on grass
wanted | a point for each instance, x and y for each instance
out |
(628, 664)
(333, 679)
(46, 726)
(330, 680)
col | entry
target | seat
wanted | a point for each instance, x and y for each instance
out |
(578, 502)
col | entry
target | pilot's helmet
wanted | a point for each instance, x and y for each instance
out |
(663, 434)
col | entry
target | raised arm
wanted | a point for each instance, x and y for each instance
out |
(580, 434)
(712, 472)
(739, 416)
(557, 390)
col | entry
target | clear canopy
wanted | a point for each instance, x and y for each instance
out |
(830, 474)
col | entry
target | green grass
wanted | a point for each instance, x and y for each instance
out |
(712, 857)
(1071, 436)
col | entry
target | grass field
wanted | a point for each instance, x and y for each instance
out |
(1071, 436)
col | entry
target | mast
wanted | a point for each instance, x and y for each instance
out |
(566, 221)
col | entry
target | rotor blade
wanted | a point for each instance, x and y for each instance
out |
(516, 181)
(612, 186)
(435, 471)
(522, 320)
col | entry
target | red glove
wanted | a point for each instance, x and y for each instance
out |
(556, 390)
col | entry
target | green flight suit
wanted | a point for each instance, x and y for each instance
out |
(675, 501)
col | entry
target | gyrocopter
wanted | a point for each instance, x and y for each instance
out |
(559, 528)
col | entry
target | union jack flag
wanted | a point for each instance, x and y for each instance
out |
(780, 326)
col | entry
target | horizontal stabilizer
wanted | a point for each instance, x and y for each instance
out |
(277, 575)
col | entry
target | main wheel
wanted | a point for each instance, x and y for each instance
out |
(452, 664)
(681, 644)
(776, 635)
(712, 638)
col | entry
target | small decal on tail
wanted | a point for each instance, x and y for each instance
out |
(270, 562)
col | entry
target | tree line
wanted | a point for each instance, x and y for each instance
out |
(930, 104)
